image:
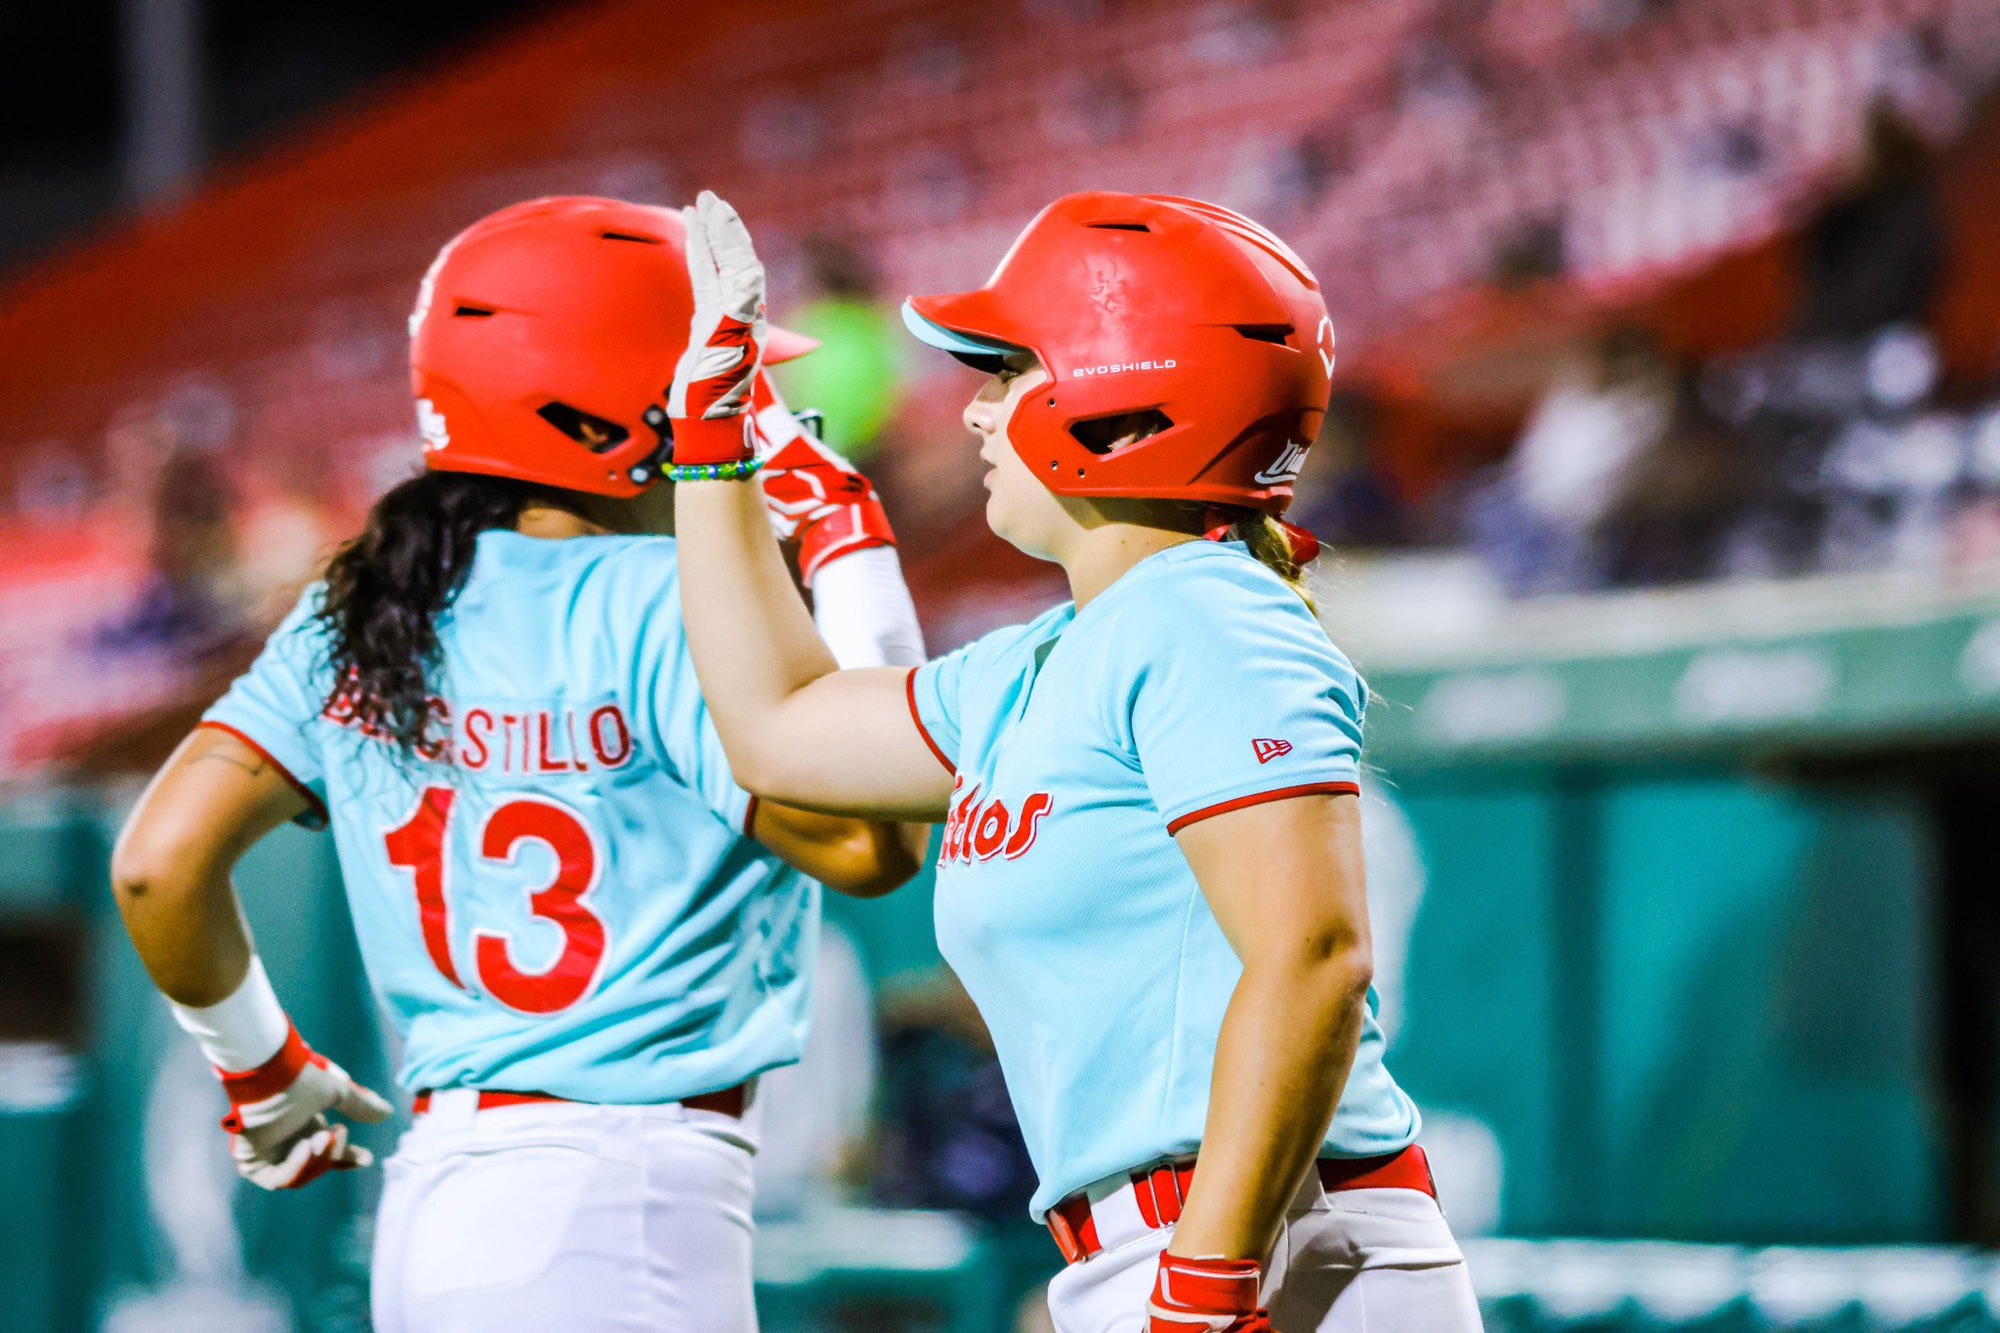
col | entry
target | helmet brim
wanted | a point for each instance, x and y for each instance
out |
(976, 350)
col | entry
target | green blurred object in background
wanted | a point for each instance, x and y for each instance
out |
(854, 375)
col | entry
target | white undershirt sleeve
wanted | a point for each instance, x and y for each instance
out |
(863, 610)
(242, 1031)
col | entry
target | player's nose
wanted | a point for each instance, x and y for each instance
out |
(982, 414)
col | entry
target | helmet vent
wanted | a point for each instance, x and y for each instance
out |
(1101, 435)
(592, 432)
(1280, 334)
(1119, 226)
(628, 236)
(472, 312)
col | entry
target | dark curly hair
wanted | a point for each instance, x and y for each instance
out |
(387, 589)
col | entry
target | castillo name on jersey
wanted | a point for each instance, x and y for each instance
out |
(517, 740)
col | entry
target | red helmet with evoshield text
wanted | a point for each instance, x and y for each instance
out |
(1193, 319)
(543, 341)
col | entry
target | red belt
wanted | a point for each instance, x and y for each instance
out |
(729, 1101)
(1161, 1192)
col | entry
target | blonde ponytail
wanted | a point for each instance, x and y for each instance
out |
(1267, 541)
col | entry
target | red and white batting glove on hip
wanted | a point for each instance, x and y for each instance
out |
(279, 1090)
(813, 494)
(278, 1131)
(1206, 1296)
(710, 397)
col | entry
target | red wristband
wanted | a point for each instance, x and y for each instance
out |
(273, 1076)
(724, 440)
(1205, 1287)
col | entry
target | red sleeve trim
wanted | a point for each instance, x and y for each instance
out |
(750, 818)
(1259, 798)
(910, 690)
(312, 797)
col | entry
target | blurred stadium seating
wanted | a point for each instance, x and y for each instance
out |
(1664, 486)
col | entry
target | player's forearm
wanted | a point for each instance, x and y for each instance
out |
(753, 642)
(185, 924)
(881, 858)
(1287, 1042)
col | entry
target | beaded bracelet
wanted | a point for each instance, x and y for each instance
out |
(737, 471)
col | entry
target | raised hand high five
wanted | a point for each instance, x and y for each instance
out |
(710, 396)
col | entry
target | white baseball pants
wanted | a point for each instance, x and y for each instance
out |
(565, 1216)
(1355, 1261)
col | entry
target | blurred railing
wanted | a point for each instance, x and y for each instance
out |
(1542, 1286)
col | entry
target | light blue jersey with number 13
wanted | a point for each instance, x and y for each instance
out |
(562, 898)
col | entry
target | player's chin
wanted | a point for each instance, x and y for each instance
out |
(1010, 525)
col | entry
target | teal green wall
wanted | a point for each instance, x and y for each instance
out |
(1689, 1004)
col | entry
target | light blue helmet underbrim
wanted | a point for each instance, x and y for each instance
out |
(946, 340)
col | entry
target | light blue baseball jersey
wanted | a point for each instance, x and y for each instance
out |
(563, 899)
(1196, 684)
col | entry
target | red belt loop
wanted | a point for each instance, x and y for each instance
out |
(1161, 1194)
(1073, 1228)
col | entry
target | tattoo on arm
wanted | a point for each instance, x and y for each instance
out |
(254, 767)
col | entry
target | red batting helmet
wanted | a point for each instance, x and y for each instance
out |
(1177, 309)
(544, 338)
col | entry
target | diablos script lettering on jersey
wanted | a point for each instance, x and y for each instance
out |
(980, 831)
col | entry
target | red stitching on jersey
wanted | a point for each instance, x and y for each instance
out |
(312, 799)
(1281, 794)
(910, 691)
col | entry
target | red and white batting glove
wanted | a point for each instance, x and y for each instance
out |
(710, 397)
(278, 1130)
(813, 494)
(1206, 1296)
(279, 1135)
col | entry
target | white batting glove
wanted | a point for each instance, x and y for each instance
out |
(710, 396)
(279, 1135)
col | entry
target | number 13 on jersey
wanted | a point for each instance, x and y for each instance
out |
(422, 847)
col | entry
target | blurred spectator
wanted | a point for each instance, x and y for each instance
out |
(854, 376)
(1340, 495)
(180, 606)
(949, 1136)
(1873, 256)
(1535, 521)
(168, 479)
(1678, 501)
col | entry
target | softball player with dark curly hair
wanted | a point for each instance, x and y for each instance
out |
(591, 938)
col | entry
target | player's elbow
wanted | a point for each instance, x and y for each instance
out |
(870, 860)
(760, 770)
(1329, 969)
(1342, 970)
(146, 865)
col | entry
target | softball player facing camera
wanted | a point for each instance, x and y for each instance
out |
(590, 936)
(1151, 879)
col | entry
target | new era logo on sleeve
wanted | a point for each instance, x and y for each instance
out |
(1267, 750)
